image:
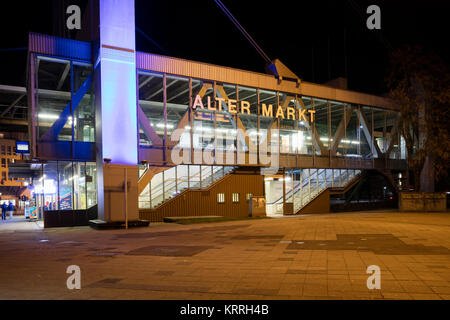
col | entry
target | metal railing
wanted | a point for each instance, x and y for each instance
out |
(307, 185)
(167, 184)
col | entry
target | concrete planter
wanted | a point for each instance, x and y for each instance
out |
(423, 201)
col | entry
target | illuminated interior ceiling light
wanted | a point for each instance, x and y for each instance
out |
(168, 126)
(204, 129)
(355, 142)
(268, 179)
(48, 116)
(302, 123)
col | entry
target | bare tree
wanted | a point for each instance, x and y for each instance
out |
(419, 83)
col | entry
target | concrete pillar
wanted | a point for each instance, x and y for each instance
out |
(116, 111)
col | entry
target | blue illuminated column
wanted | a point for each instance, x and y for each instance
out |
(116, 110)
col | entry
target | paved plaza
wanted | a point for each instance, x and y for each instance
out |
(304, 257)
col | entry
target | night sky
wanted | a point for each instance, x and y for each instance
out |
(318, 40)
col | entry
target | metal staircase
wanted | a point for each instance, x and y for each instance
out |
(169, 183)
(310, 183)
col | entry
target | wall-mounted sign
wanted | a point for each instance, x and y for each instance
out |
(267, 110)
(22, 147)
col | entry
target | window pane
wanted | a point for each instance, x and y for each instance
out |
(337, 126)
(65, 185)
(50, 185)
(351, 142)
(304, 141)
(84, 113)
(379, 128)
(366, 133)
(288, 132)
(54, 97)
(79, 184)
(203, 136)
(152, 104)
(248, 97)
(91, 184)
(321, 123)
(177, 103)
(268, 99)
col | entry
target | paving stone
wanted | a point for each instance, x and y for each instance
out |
(312, 257)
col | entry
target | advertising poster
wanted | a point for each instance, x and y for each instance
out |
(66, 198)
(33, 212)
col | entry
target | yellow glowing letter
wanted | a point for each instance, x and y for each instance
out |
(280, 112)
(198, 103)
(301, 114)
(311, 112)
(267, 112)
(291, 113)
(232, 106)
(245, 105)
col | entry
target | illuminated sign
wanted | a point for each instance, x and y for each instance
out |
(22, 147)
(267, 110)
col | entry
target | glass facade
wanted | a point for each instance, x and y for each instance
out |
(64, 122)
(65, 185)
(65, 100)
(221, 113)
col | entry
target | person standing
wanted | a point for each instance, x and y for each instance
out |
(4, 208)
(11, 210)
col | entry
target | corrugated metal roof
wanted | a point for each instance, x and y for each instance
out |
(61, 47)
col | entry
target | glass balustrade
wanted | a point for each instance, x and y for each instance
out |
(167, 184)
(307, 184)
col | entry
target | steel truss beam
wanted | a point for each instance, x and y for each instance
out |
(340, 131)
(368, 134)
